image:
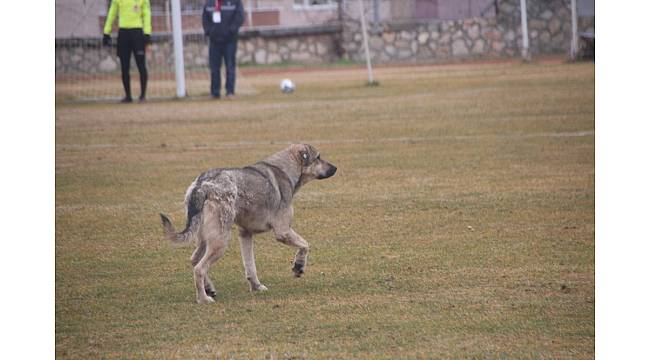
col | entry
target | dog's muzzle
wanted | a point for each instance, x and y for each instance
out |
(330, 171)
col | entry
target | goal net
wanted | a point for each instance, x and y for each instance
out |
(86, 70)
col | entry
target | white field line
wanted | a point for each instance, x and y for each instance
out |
(237, 144)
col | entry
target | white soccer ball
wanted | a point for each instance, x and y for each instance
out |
(287, 86)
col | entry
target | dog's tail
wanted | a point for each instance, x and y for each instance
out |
(179, 238)
(194, 198)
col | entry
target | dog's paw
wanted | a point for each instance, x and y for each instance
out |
(259, 287)
(298, 269)
(211, 292)
(206, 300)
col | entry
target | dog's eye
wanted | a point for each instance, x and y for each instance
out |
(318, 157)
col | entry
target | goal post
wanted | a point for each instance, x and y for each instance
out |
(364, 30)
(177, 58)
(177, 31)
(525, 49)
(574, 30)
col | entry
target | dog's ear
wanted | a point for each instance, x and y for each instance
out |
(303, 153)
(305, 159)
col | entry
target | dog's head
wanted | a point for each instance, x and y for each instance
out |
(312, 166)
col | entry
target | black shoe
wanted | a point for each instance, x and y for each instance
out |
(215, 97)
(142, 99)
(126, 100)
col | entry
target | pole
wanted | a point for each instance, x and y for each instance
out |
(364, 30)
(574, 30)
(168, 14)
(524, 31)
(177, 30)
(375, 9)
(250, 13)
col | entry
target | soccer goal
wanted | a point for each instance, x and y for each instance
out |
(87, 70)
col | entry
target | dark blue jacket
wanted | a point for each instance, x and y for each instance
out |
(232, 18)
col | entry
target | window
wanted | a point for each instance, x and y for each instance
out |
(314, 4)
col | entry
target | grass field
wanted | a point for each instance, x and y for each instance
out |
(460, 223)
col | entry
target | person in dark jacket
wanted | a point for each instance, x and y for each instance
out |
(221, 22)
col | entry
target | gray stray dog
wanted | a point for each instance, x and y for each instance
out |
(257, 198)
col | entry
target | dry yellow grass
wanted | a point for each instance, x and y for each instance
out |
(460, 223)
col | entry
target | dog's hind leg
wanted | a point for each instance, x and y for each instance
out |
(248, 258)
(215, 233)
(291, 238)
(196, 257)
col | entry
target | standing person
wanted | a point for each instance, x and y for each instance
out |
(221, 22)
(134, 20)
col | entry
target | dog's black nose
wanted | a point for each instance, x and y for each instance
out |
(331, 171)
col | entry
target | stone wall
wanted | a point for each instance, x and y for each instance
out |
(549, 28)
(431, 41)
(549, 24)
(308, 45)
(427, 41)
(311, 45)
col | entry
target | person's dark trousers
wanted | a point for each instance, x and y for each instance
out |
(132, 41)
(225, 51)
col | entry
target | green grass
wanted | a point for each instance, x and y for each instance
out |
(460, 223)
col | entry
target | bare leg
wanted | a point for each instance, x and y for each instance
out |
(292, 238)
(248, 258)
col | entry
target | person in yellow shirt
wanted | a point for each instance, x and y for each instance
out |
(134, 22)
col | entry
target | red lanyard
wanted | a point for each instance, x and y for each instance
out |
(217, 5)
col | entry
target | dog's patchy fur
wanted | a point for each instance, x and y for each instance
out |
(256, 198)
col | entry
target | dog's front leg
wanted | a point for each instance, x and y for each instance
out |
(292, 238)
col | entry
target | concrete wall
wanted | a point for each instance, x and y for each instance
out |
(77, 18)
(291, 15)
(81, 19)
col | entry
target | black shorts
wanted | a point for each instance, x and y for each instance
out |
(130, 40)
